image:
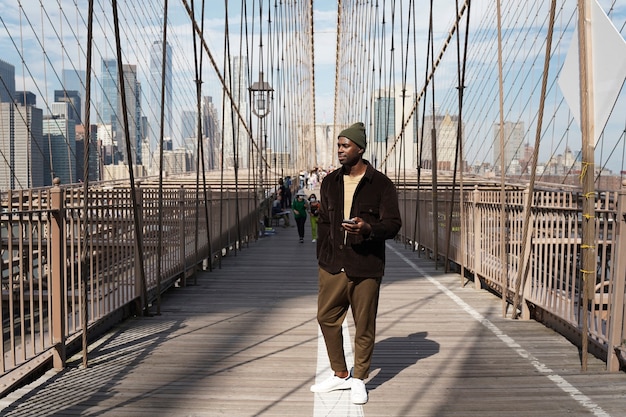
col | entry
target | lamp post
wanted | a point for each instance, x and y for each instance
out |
(260, 96)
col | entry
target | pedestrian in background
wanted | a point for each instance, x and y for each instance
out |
(300, 206)
(314, 207)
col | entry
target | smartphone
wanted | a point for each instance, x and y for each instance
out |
(349, 221)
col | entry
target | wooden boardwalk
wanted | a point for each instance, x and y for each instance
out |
(244, 342)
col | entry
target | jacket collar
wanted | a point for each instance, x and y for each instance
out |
(369, 171)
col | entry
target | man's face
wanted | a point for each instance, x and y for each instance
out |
(348, 152)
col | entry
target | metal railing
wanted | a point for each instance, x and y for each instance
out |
(49, 295)
(51, 298)
(551, 288)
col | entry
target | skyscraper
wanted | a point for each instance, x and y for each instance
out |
(236, 140)
(513, 140)
(24, 163)
(61, 134)
(446, 131)
(74, 80)
(72, 97)
(154, 86)
(108, 103)
(132, 92)
(211, 131)
(189, 124)
(389, 110)
(7, 82)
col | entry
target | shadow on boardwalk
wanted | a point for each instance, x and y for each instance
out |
(244, 342)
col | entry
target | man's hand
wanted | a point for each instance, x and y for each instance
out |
(359, 226)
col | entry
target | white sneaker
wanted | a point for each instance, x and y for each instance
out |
(331, 384)
(314, 240)
(358, 392)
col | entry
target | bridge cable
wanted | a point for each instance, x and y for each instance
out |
(431, 74)
(416, 135)
(133, 191)
(164, 65)
(200, 146)
(504, 270)
(405, 65)
(86, 272)
(423, 127)
(458, 156)
(433, 148)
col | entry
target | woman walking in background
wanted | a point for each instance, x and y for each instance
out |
(314, 207)
(300, 207)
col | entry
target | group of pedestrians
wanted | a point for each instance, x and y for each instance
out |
(302, 208)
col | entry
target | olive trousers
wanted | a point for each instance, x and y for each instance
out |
(338, 293)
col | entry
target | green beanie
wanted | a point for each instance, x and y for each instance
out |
(356, 133)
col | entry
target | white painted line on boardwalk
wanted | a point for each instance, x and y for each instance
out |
(560, 382)
(336, 403)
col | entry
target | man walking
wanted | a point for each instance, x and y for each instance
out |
(358, 212)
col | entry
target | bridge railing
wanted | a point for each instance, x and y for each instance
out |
(49, 295)
(551, 288)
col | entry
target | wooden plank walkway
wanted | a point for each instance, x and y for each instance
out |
(244, 342)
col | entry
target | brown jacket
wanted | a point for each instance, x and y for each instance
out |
(375, 201)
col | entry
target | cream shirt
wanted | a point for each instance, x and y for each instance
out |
(349, 186)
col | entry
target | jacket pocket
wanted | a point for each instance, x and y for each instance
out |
(369, 212)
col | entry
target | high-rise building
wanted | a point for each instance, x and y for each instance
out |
(25, 98)
(93, 160)
(7, 82)
(236, 139)
(157, 78)
(61, 135)
(384, 127)
(74, 80)
(23, 164)
(189, 124)
(513, 149)
(446, 132)
(390, 109)
(132, 92)
(72, 97)
(211, 131)
(109, 99)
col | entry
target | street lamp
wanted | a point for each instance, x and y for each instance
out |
(260, 91)
(260, 96)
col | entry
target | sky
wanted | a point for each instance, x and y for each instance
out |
(31, 26)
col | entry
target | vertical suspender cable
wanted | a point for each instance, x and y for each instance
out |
(228, 77)
(458, 157)
(522, 267)
(423, 128)
(417, 136)
(433, 138)
(85, 272)
(337, 68)
(133, 191)
(207, 217)
(460, 134)
(503, 257)
(312, 74)
(201, 153)
(161, 134)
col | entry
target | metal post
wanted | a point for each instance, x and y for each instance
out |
(616, 310)
(56, 270)
(477, 238)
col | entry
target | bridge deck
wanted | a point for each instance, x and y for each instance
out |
(244, 342)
